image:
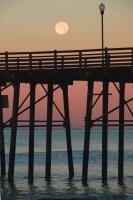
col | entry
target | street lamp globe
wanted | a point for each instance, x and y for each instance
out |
(102, 8)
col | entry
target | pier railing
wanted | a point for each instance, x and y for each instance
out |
(92, 58)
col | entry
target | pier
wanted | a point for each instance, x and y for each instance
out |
(58, 70)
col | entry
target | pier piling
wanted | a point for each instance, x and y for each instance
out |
(105, 131)
(88, 126)
(31, 133)
(49, 131)
(2, 144)
(68, 131)
(121, 133)
(13, 133)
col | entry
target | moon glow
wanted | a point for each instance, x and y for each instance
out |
(61, 28)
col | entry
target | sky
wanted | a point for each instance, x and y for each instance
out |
(28, 25)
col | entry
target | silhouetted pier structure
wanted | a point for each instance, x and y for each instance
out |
(58, 69)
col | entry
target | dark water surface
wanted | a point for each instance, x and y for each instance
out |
(60, 187)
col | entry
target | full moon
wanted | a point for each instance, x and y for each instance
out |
(61, 28)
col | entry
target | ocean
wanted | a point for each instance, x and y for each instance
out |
(60, 187)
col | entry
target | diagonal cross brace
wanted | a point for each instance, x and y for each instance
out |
(112, 110)
(54, 103)
(25, 109)
(124, 100)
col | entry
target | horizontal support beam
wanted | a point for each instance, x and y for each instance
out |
(115, 125)
(26, 126)
(98, 94)
(40, 121)
(114, 120)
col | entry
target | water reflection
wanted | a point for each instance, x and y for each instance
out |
(64, 190)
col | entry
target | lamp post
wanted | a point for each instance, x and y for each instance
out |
(102, 8)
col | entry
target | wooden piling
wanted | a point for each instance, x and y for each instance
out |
(68, 131)
(49, 131)
(13, 133)
(87, 132)
(31, 133)
(2, 144)
(105, 132)
(121, 133)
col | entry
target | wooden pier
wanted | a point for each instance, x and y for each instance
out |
(59, 69)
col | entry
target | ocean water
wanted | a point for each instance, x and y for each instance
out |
(60, 187)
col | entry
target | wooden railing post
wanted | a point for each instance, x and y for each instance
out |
(108, 64)
(6, 60)
(62, 62)
(132, 60)
(80, 59)
(18, 63)
(107, 60)
(30, 61)
(40, 64)
(85, 63)
(106, 57)
(55, 59)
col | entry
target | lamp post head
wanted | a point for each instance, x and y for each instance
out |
(102, 8)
